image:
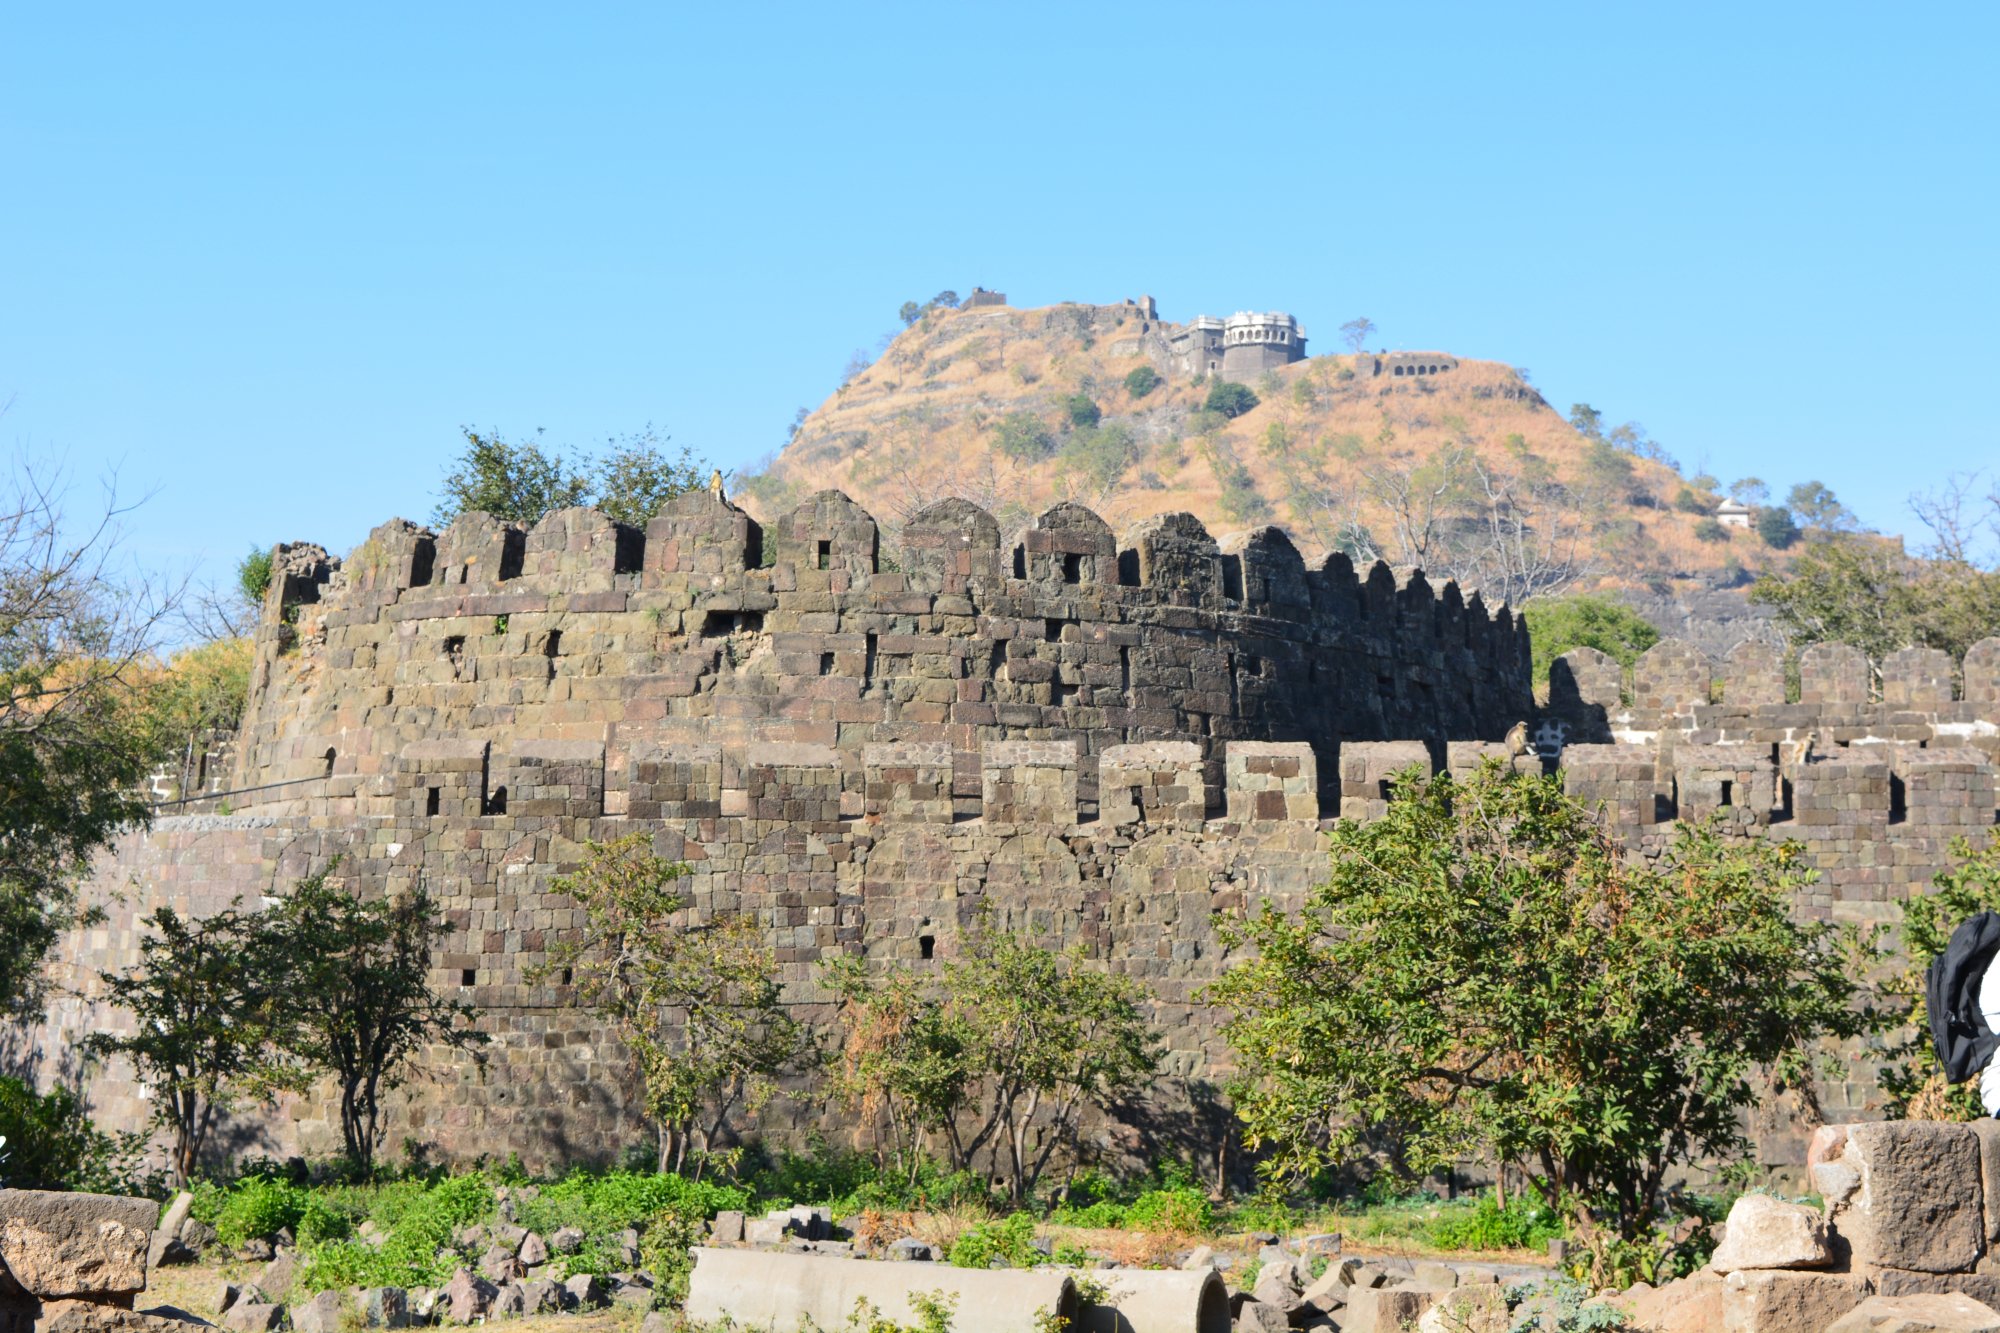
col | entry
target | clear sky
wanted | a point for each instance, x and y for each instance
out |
(266, 261)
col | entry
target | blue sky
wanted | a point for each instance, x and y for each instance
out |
(265, 261)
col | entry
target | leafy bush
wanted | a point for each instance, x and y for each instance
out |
(1011, 1238)
(1709, 530)
(1101, 453)
(49, 1140)
(1081, 410)
(1524, 1224)
(1558, 624)
(1181, 1208)
(1231, 400)
(1142, 381)
(1688, 502)
(260, 1207)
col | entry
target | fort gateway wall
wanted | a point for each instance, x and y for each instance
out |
(1111, 742)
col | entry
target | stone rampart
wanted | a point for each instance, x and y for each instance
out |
(1115, 743)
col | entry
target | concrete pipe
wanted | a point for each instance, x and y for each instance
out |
(1139, 1300)
(792, 1293)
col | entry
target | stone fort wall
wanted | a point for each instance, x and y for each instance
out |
(1110, 742)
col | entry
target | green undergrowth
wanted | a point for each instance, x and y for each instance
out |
(410, 1223)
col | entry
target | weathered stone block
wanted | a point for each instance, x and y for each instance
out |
(1774, 1301)
(58, 1244)
(1917, 1199)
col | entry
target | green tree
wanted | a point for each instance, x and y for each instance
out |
(1910, 1072)
(1003, 1047)
(1356, 332)
(1776, 528)
(947, 299)
(1689, 502)
(635, 476)
(902, 1056)
(1485, 974)
(1749, 491)
(1558, 624)
(359, 1000)
(1229, 399)
(697, 1002)
(1867, 592)
(1587, 421)
(1816, 504)
(208, 1011)
(1080, 410)
(77, 737)
(253, 576)
(1710, 530)
(523, 482)
(910, 313)
(1142, 381)
(516, 483)
(1022, 437)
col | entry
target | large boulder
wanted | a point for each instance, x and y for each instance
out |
(1763, 1232)
(324, 1312)
(1469, 1309)
(1772, 1300)
(466, 1298)
(253, 1316)
(61, 1245)
(1386, 1309)
(1943, 1313)
(1906, 1194)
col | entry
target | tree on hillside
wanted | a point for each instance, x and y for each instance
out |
(1749, 491)
(208, 1009)
(77, 734)
(1819, 508)
(695, 1001)
(1142, 381)
(1775, 527)
(1556, 625)
(946, 299)
(1587, 421)
(523, 482)
(910, 313)
(1485, 974)
(1230, 399)
(1356, 333)
(358, 999)
(1866, 591)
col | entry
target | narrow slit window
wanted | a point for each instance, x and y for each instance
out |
(468, 976)
(1728, 793)
(1072, 568)
(927, 946)
(826, 664)
(552, 645)
(432, 799)
(826, 555)
(329, 763)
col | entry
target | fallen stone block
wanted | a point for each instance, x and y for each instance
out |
(1432, 1274)
(1773, 1300)
(1471, 1309)
(384, 1307)
(253, 1316)
(59, 1245)
(275, 1278)
(1902, 1194)
(567, 1240)
(727, 1228)
(1386, 1309)
(322, 1313)
(1940, 1313)
(1257, 1317)
(1763, 1232)
(166, 1233)
(534, 1251)
(465, 1298)
(1692, 1304)
(583, 1292)
(84, 1316)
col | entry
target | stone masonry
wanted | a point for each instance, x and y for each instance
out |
(1111, 742)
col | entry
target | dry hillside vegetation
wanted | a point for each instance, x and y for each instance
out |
(1469, 474)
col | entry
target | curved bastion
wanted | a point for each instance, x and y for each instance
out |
(1108, 742)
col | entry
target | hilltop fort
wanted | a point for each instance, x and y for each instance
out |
(1108, 739)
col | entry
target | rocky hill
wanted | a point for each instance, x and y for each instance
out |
(1463, 468)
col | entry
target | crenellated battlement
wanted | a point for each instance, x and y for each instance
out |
(708, 627)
